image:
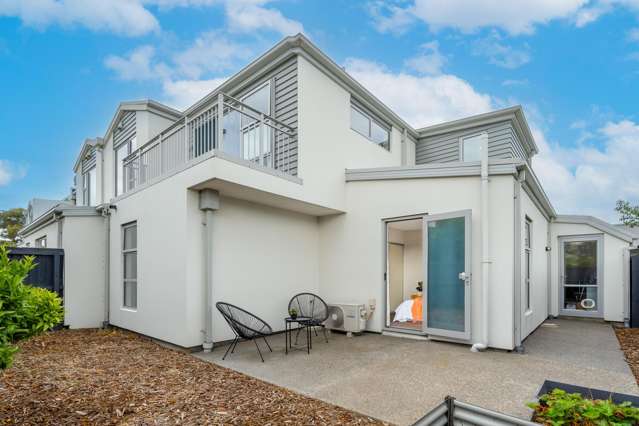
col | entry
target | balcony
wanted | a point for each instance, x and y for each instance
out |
(227, 128)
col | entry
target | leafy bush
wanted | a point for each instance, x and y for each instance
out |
(25, 311)
(561, 408)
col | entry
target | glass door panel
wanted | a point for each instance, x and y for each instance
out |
(447, 275)
(580, 279)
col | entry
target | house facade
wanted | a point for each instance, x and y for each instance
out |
(292, 177)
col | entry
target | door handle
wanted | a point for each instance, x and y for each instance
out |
(464, 277)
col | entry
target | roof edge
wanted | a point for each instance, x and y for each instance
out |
(597, 224)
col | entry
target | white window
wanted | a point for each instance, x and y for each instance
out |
(89, 187)
(527, 260)
(471, 147)
(121, 152)
(130, 265)
(41, 242)
(367, 126)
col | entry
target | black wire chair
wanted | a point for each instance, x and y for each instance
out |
(309, 305)
(245, 325)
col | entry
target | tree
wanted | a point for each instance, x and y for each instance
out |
(11, 222)
(628, 215)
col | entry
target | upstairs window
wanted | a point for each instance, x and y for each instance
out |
(89, 187)
(471, 147)
(121, 152)
(369, 127)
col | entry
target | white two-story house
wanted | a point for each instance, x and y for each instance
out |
(292, 177)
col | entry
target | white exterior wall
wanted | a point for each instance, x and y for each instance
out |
(83, 241)
(538, 312)
(262, 257)
(613, 268)
(327, 144)
(352, 245)
(50, 231)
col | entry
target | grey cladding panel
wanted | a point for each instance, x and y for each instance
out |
(125, 129)
(89, 160)
(502, 143)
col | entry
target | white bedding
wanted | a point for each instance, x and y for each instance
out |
(404, 311)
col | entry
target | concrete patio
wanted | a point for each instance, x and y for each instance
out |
(399, 380)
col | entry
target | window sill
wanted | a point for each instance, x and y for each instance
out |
(129, 309)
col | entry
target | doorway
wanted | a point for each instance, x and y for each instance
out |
(405, 274)
(428, 275)
(580, 279)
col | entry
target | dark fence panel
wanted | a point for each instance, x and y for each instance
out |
(49, 270)
(634, 289)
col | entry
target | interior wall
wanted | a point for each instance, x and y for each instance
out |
(413, 257)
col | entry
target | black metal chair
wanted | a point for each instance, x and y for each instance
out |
(311, 306)
(245, 325)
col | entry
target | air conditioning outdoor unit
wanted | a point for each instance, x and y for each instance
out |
(348, 317)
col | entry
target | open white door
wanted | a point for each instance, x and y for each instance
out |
(447, 274)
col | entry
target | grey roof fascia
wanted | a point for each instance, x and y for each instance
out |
(597, 224)
(60, 210)
(141, 105)
(433, 170)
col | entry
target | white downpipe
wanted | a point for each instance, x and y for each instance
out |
(485, 257)
(209, 203)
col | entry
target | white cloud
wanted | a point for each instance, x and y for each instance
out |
(589, 179)
(430, 61)
(252, 15)
(420, 100)
(210, 52)
(515, 17)
(124, 17)
(389, 18)
(10, 172)
(139, 65)
(181, 94)
(500, 54)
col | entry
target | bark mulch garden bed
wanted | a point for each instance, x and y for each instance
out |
(116, 377)
(629, 341)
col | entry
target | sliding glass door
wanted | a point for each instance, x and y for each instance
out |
(447, 274)
(580, 283)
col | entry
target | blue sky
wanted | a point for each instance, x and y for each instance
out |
(573, 64)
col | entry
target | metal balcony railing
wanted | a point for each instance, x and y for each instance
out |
(227, 126)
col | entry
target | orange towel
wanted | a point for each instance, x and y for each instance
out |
(416, 310)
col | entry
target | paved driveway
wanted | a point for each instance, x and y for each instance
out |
(399, 380)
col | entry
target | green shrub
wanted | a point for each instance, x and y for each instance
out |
(25, 311)
(561, 408)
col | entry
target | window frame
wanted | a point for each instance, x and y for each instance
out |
(462, 139)
(126, 280)
(38, 242)
(131, 145)
(86, 187)
(528, 232)
(371, 119)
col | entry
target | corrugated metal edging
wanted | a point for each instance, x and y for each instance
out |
(456, 413)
